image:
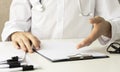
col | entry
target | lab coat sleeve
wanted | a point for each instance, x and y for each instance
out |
(110, 10)
(19, 19)
(115, 33)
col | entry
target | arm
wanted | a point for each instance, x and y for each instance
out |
(18, 27)
(19, 19)
(111, 14)
(106, 27)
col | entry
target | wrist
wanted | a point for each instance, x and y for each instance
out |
(108, 32)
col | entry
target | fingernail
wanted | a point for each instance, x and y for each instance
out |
(37, 48)
(30, 51)
(78, 47)
(18, 47)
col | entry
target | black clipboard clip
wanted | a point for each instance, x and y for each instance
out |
(85, 57)
(80, 57)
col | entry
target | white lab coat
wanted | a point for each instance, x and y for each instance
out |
(60, 18)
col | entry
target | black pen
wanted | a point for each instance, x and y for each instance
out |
(22, 68)
(12, 65)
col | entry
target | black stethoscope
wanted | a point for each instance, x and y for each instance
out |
(114, 48)
(39, 6)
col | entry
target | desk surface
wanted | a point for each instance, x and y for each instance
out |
(111, 64)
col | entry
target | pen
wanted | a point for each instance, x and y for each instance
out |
(13, 65)
(22, 68)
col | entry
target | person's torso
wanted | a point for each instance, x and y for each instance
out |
(60, 19)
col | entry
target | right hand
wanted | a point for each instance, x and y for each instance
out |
(24, 40)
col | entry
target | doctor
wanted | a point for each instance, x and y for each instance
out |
(33, 20)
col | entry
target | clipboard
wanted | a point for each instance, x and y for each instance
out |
(59, 51)
(74, 58)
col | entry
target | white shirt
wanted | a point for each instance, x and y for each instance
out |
(60, 18)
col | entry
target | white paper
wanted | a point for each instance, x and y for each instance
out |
(57, 50)
(8, 51)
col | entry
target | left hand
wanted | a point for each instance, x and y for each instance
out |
(100, 27)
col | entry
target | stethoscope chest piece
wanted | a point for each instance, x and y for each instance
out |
(86, 14)
(83, 11)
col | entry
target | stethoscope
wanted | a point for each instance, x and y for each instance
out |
(114, 48)
(85, 13)
(39, 6)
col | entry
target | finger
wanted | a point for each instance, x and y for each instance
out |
(15, 44)
(96, 19)
(35, 41)
(80, 45)
(22, 46)
(85, 42)
(92, 37)
(27, 44)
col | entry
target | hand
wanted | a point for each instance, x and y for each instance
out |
(100, 27)
(24, 40)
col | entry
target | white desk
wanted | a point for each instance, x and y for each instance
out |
(111, 64)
